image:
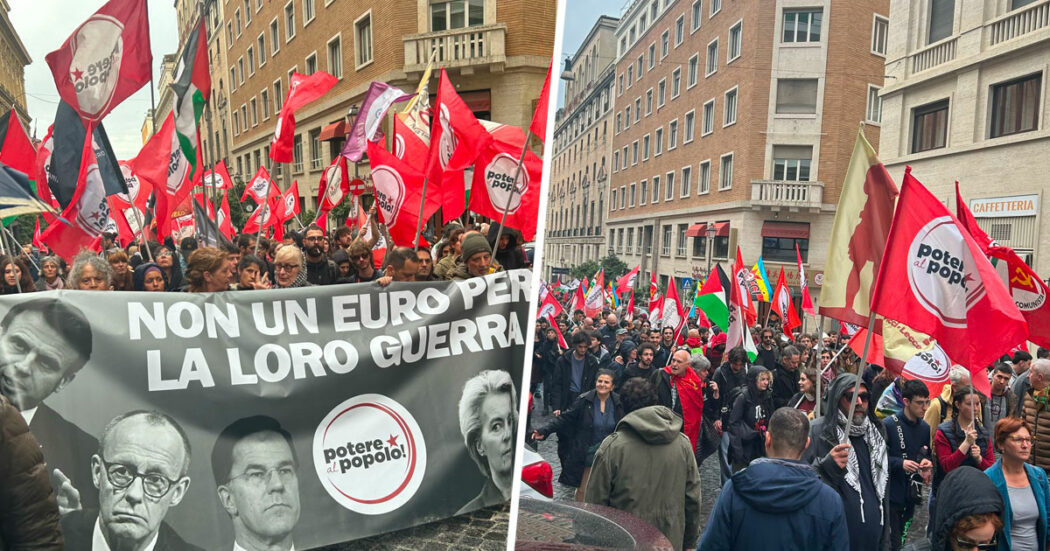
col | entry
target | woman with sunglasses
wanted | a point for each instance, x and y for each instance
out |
(970, 516)
(1023, 487)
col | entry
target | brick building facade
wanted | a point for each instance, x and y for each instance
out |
(13, 61)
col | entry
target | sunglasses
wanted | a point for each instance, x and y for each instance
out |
(967, 544)
(862, 396)
(358, 257)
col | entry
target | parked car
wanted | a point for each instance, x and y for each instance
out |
(575, 526)
(537, 477)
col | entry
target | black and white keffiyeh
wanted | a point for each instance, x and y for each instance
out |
(877, 451)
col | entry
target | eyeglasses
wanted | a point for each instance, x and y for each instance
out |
(962, 543)
(122, 476)
(259, 477)
(312, 239)
(164, 253)
(285, 267)
(862, 396)
(358, 256)
(1019, 440)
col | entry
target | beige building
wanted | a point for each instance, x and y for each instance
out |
(738, 117)
(13, 61)
(580, 158)
(496, 53)
(966, 99)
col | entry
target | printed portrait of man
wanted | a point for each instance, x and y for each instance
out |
(140, 471)
(43, 345)
(257, 481)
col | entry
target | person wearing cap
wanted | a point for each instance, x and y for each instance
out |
(475, 260)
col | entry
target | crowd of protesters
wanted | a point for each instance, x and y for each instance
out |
(29, 507)
(793, 478)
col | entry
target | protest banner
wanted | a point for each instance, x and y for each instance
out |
(398, 405)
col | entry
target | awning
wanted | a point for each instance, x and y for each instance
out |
(787, 230)
(336, 130)
(700, 230)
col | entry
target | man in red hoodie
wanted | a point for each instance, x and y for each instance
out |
(679, 388)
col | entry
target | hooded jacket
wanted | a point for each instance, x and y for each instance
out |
(823, 437)
(786, 499)
(965, 491)
(513, 256)
(748, 419)
(647, 468)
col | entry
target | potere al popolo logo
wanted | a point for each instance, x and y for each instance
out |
(929, 365)
(499, 177)
(942, 274)
(389, 192)
(98, 48)
(369, 454)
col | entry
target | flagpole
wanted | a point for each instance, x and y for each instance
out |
(812, 361)
(860, 373)
(19, 245)
(419, 221)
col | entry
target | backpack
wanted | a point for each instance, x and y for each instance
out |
(944, 410)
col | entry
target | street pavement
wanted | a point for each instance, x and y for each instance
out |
(484, 530)
(710, 483)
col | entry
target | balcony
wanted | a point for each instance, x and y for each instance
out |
(934, 55)
(780, 194)
(1019, 23)
(465, 49)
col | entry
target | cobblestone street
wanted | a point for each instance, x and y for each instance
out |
(484, 529)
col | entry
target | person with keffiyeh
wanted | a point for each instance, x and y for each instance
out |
(680, 388)
(855, 466)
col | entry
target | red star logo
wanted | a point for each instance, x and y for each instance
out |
(95, 215)
(78, 74)
(392, 441)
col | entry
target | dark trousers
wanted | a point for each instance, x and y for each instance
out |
(900, 520)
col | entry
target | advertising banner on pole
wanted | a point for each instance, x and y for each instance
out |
(310, 416)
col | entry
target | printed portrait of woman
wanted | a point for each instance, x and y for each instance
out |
(488, 420)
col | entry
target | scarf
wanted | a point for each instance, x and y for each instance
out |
(57, 284)
(877, 452)
(690, 394)
(1042, 396)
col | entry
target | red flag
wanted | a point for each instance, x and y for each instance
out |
(220, 177)
(41, 169)
(654, 298)
(301, 91)
(671, 312)
(740, 294)
(126, 233)
(262, 217)
(225, 222)
(36, 235)
(256, 188)
(935, 280)
(876, 354)
(629, 314)
(807, 302)
(289, 205)
(494, 179)
(578, 299)
(627, 281)
(781, 303)
(549, 306)
(539, 117)
(87, 213)
(16, 151)
(162, 164)
(399, 194)
(105, 60)
(334, 184)
(408, 146)
(1028, 290)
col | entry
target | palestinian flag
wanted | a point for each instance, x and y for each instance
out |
(16, 151)
(192, 86)
(712, 299)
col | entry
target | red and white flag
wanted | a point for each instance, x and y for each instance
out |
(549, 308)
(539, 117)
(578, 299)
(654, 299)
(162, 164)
(302, 90)
(263, 217)
(399, 194)
(627, 281)
(408, 146)
(105, 60)
(595, 296)
(495, 191)
(223, 216)
(220, 177)
(807, 302)
(935, 280)
(781, 304)
(1028, 290)
(671, 312)
(741, 277)
(256, 188)
(289, 205)
(87, 213)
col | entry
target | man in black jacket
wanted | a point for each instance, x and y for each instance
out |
(320, 270)
(785, 377)
(854, 465)
(731, 375)
(908, 449)
(574, 373)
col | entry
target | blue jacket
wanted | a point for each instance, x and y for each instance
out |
(776, 504)
(1038, 482)
(916, 443)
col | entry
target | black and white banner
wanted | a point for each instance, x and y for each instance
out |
(286, 417)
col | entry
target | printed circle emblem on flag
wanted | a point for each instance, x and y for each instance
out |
(499, 177)
(131, 181)
(929, 365)
(448, 138)
(98, 47)
(399, 147)
(941, 272)
(369, 454)
(389, 191)
(333, 190)
(546, 311)
(784, 300)
(93, 213)
(1027, 293)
